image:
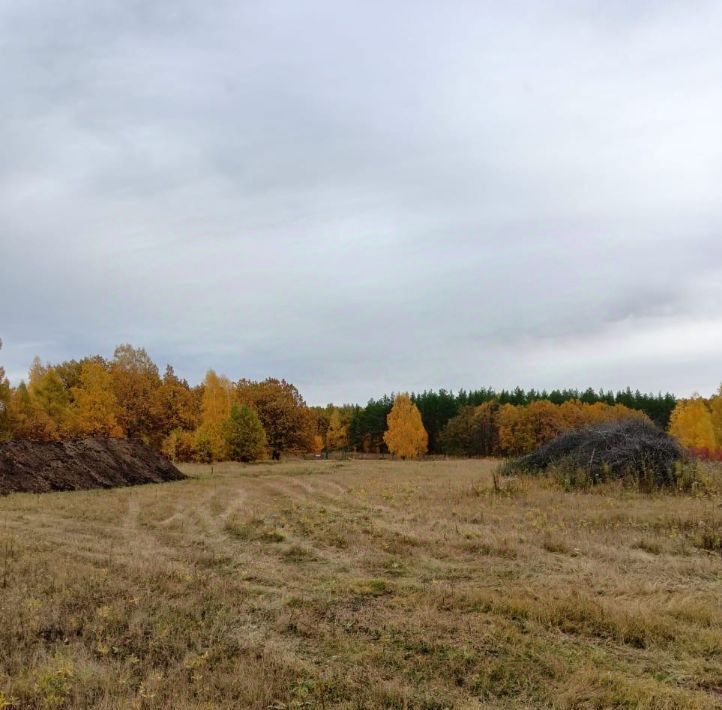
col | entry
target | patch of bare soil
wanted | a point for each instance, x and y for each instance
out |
(38, 467)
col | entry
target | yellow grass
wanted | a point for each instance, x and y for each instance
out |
(359, 585)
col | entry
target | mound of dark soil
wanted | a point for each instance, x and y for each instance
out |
(611, 450)
(37, 467)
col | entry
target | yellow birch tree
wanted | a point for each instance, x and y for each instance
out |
(215, 410)
(405, 436)
(691, 423)
(337, 434)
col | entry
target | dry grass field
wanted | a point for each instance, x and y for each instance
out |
(359, 585)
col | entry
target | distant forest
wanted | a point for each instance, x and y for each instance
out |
(366, 425)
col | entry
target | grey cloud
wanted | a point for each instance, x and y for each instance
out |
(362, 196)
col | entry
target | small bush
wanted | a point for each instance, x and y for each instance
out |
(711, 541)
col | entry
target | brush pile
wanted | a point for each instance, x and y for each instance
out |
(627, 448)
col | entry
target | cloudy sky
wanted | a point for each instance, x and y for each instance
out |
(366, 196)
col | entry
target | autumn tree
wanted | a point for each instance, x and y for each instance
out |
(69, 370)
(523, 428)
(28, 419)
(322, 417)
(691, 423)
(36, 372)
(181, 416)
(94, 411)
(48, 392)
(289, 424)
(135, 384)
(601, 412)
(405, 435)
(485, 432)
(337, 433)
(456, 438)
(181, 445)
(244, 436)
(20, 413)
(715, 408)
(5, 395)
(574, 414)
(177, 404)
(215, 410)
(473, 431)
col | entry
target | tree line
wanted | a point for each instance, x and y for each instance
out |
(487, 429)
(366, 425)
(127, 395)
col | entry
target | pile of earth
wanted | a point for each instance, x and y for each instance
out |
(38, 467)
(629, 448)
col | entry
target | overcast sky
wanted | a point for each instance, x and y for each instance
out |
(366, 196)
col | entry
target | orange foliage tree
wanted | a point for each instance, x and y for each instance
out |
(177, 404)
(715, 409)
(473, 432)
(337, 433)
(405, 436)
(5, 396)
(289, 424)
(94, 411)
(135, 384)
(522, 429)
(512, 430)
(691, 423)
